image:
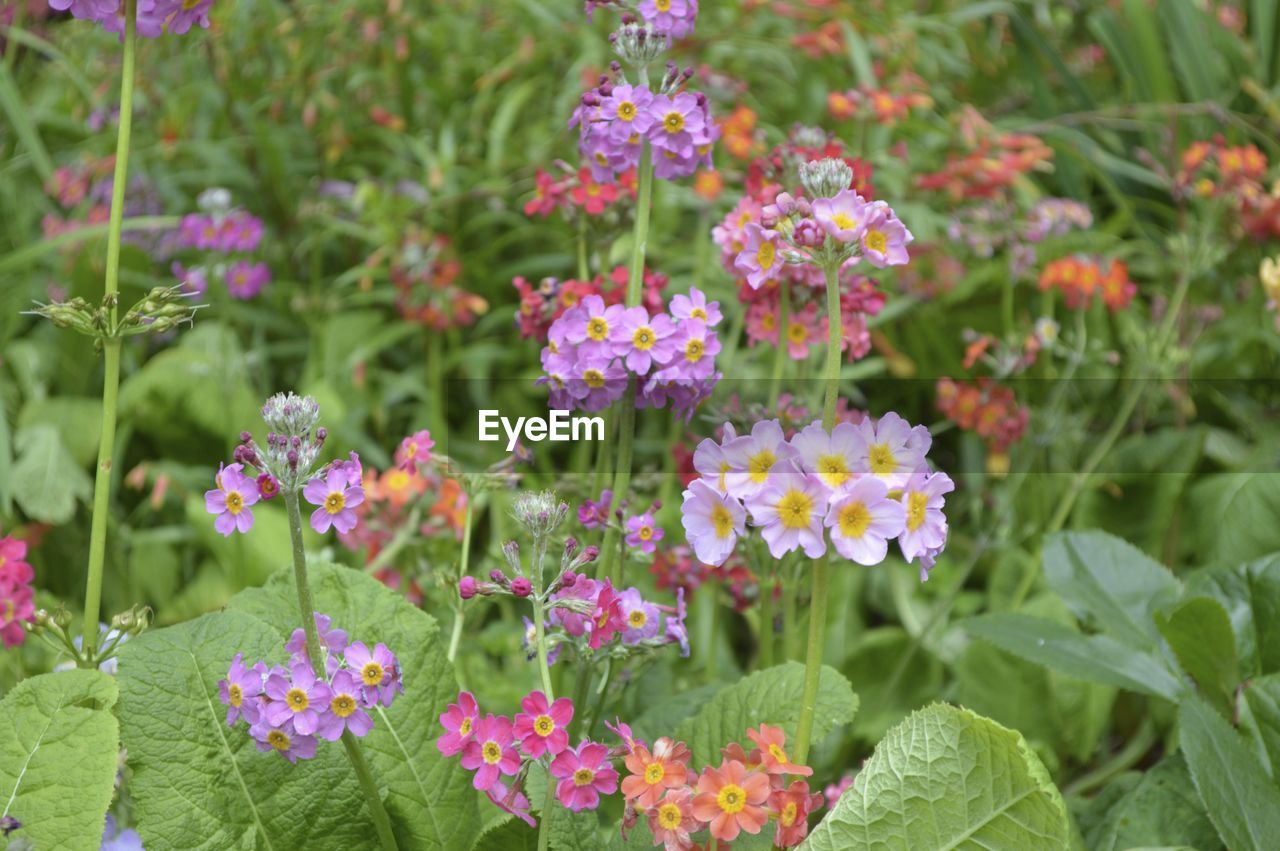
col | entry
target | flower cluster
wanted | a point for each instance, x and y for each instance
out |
(593, 349)
(882, 105)
(543, 303)
(578, 190)
(288, 707)
(985, 407)
(17, 600)
(1000, 224)
(863, 484)
(993, 164)
(1080, 278)
(665, 19)
(226, 233)
(425, 269)
(155, 17)
(1215, 169)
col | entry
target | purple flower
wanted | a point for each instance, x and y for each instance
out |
(245, 280)
(333, 641)
(352, 467)
(679, 123)
(240, 232)
(626, 112)
(378, 672)
(925, 530)
(753, 458)
(789, 511)
(710, 460)
(862, 519)
(300, 698)
(642, 618)
(695, 349)
(891, 449)
(231, 499)
(885, 239)
(337, 498)
(345, 709)
(844, 217)
(594, 326)
(597, 383)
(695, 306)
(833, 457)
(759, 259)
(675, 628)
(240, 689)
(284, 739)
(641, 340)
(674, 18)
(595, 514)
(712, 521)
(643, 532)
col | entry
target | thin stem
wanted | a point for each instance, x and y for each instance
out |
(548, 807)
(584, 269)
(789, 614)
(456, 636)
(781, 353)
(307, 609)
(766, 618)
(111, 345)
(1125, 759)
(835, 337)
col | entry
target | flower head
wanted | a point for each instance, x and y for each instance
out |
(490, 752)
(671, 819)
(642, 618)
(925, 526)
(337, 498)
(695, 306)
(510, 801)
(891, 449)
(862, 519)
(756, 460)
(585, 774)
(643, 532)
(240, 689)
(284, 739)
(653, 773)
(606, 619)
(843, 217)
(790, 512)
(459, 720)
(346, 710)
(378, 672)
(760, 258)
(772, 743)
(541, 728)
(884, 238)
(414, 450)
(299, 698)
(731, 799)
(791, 806)
(231, 499)
(713, 522)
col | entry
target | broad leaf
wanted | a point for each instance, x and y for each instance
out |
(1250, 594)
(773, 697)
(1199, 633)
(1162, 808)
(947, 778)
(1237, 514)
(46, 481)
(1241, 799)
(1262, 718)
(59, 746)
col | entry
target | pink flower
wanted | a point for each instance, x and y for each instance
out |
(925, 530)
(712, 522)
(231, 499)
(459, 720)
(674, 18)
(885, 239)
(414, 450)
(593, 326)
(585, 774)
(891, 449)
(337, 499)
(346, 710)
(862, 518)
(626, 111)
(606, 620)
(731, 799)
(694, 349)
(843, 217)
(541, 728)
(491, 752)
(672, 820)
(510, 801)
(644, 532)
(695, 306)
(757, 459)
(240, 689)
(299, 698)
(641, 341)
(789, 511)
(760, 259)
(379, 672)
(284, 739)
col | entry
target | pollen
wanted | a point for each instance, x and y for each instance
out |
(544, 725)
(916, 504)
(877, 241)
(278, 739)
(881, 459)
(643, 339)
(465, 727)
(344, 704)
(645, 532)
(722, 520)
(598, 329)
(583, 776)
(731, 799)
(788, 816)
(698, 313)
(833, 470)
(759, 465)
(491, 753)
(693, 351)
(854, 520)
(669, 816)
(766, 254)
(335, 502)
(795, 509)
(654, 772)
(843, 221)
(235, 695)
(797, 333)
(673, 122)
(594, 378)
(297, 699)
(627, 110)
(637, 619)
(235, 502)
(372, 674)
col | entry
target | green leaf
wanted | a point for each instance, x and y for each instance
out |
(1241, 800)
(1162, 808)
(1112, 582)
(1098, 658)
(59, 746)
(947, 778)
(1262, 718)
(429, 798)
(1199, 633)
(771, 696)
(510, 834)
(46, 481)
(1237, 513)
(1250, 594)
(78, 420)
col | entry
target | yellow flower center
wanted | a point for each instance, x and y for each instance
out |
(627, 110)
(188, 5)
(833, 470)
(662, 5)
(854, 519)
(843, 221)
(397, 480)
(297, 699)
(343, 705)
(693, 351)
(597, 329)
(235, 695)
(788, 816)
(669, 816)
(877, 241)
(795, 509)
(491, 753)
(411, 451)
(767, 321)
(732, 799)
(916, 503)
(777, 753)
(278, 739)
(583, 776)
(881, 459)
(544, 725)
(698, 313)
(766, 254)
(759, 465)
(645, 532)
(654, 772)
(335, 502)
(593, 377)
(722, 520)
(673, 122)
(637, 619)
(371, 674)
(797, 333)
(724, 470)
(235, 502)
(465, 727)
(593, 189)
(643, 339)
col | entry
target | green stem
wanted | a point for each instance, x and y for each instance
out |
(548, 807)
(584, 269)
(730, 350)
(707, 611)
(1124, 759)
(780, 354)
(455, 637)
(789, 615)
(766, 618)
(307, 609)
(818, 600)
(111, 346)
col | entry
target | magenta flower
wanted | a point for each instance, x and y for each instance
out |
(696, 347)
(695, 306)
(460, 721)
(345, 709)
(574, 623)
(336, 497)
(679, 123)
(644, 532)
(790, 510)
(760, 259)
(642, 618)
(268, 486)
(606, 619)
(891, 449)
(593, 514)
(834, 458)
(623, 731)
(674, 18)
(245, 280)
(284, 739)
(713, 522)
(925, 530)
(239, 691)
(490, 751)
(641, 340)
(231, 499)
(593, 327)
(414, 450)
(844, 217)
(862, 519)
(378, 671)
(754, 459)
(626, 110)
(510, 801)
(541, 728)
(300, 698)
(885, 239)
(585, 774)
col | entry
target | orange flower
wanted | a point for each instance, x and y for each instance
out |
(773, 756)
(792, 806)
(671, 820)
(731, 800)
(653, 773)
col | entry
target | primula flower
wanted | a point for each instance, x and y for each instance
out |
(862, 519)
(676, 630)
(652, 774)
(231, 499)
(574, 623)
(268, 486)
(843, 217)
(772, 743)
(240, 689)
(491, 752)
(510, 801)
(671, 820)
(300, 698)
(378, 671)
(591, 326)
(885, 238)
(756, 460)
(674, 18)
(760, 259)
(792, 806)
(641, 617)
(337, 497)
(245, 280)
(459, 719)
(711, 461)
(541, 728)
(594, 514)
(925, 529)
(626, 110)
(414, 450)
(585, 774)
(712, 521)
(679, 123)
(641, 341)
(831, 456)
(695, 348)
(346, 711)
(606, 619)
(644, 532)
(283, 739)
(790, 512)
(730, 799)
(695, 306)
(892, 449)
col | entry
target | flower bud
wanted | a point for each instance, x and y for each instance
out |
(521, 587)
(825, 178)
(467, 587)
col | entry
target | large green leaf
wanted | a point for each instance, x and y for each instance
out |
(59, 745)
(947, 778)
(429, 797)
(1236, 514)
(1261, 718)
(1242, 801)
(1162, 808)
(1250, 594)
(46, 481)
(773, 697)
(1199, 633)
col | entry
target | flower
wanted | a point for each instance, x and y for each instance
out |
(641, 340)
(574, 622)
(862, 519)
(673, 18)
(231, 499)
(414, 450)
(885, 238)
(643, 532)
(695, 348)
(17, 599)
(831, 456)
(675, 629)
(491, 752)
(695, 306)
(790, 510)
(753, 458)
(541, 728)
(623, 731)
(510, 801)
(345, 709)
(584, 774)
(774, 760)
(337, 498)
(299, 699)
(925, 529)
(892, 449)
(626, 110)
(759, 258)
(240, 689)
(594, 514)
(652, 774)
(712, 521)
(245, 280)
(606, 619)
(268, 486)
(792, 806)
(843, 217)
(671, 820)
(731, 800)
(378, 671)
(642, 618)
(590, 326)
(678, 123)
(459, 719)
(284, 739)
